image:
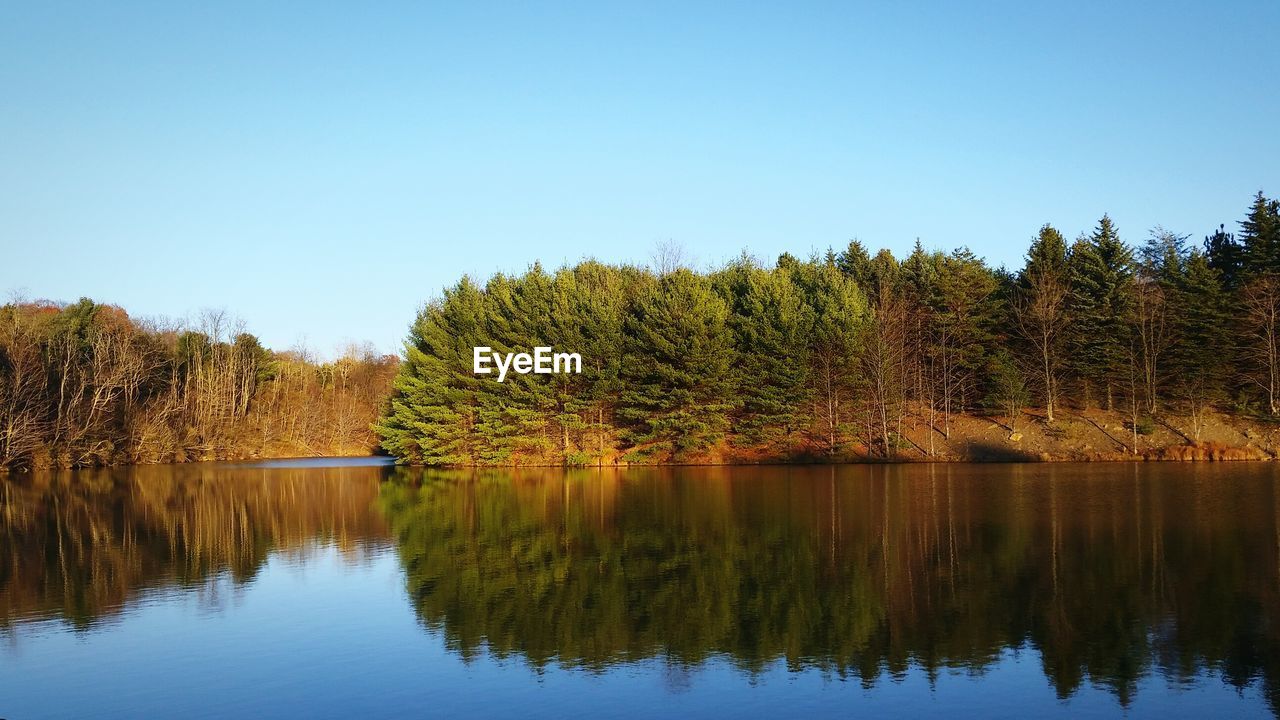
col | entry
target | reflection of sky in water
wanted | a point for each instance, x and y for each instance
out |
(320, 634)
(309, 462)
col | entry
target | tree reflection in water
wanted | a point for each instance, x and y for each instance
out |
(1108, 573)
(82, 545)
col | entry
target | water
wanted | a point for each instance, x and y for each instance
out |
(346, 589)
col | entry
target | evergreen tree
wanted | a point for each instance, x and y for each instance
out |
(920, 274)
(587, 315)
(1226, 256)
(432, 417)
(855, 262)
(1046, 256)
(1163, 255)
(1101, 299)
(963, 312)
(769, 324)
(678, 374)
(516, 416)
(1260, 237)
(836, 313)
(1203, 332)
(810, 353)
(911, 343)
(886, 274)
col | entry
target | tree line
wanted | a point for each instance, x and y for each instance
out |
(84, 385)
(835, 354)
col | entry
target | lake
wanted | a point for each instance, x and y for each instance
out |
(347, 588)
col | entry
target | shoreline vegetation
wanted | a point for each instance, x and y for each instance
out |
(1092, 350)
(85, 385)
(1166, 350)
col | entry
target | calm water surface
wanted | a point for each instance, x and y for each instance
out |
(341, 589)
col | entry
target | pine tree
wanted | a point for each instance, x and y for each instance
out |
(677, 373)
(1101, 299)
(1164, 256)
(1260, 237)
(855, 262)
(516, 416)
(836, 314)
(886, 273)
(963, 312)
(587, 314)
(570, 393)
(433, 412)
(1226, 256)
(920, 273)
(675, 364)
(1047, 254)
(768, 320)
(1202, 327)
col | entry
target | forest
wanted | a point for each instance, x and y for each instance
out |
(847, 355)
(86, 385)
(851, 355)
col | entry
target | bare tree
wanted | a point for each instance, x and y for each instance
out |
(883, 359)
(1150, 318)
(827, 377)
(1261, 300)
(1040, 315)
(669, 256)
(85, 384)
(1008, 388)
(23, 389)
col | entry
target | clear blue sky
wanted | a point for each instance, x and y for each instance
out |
(320, 169)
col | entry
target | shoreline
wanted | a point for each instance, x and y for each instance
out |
(1090, 436)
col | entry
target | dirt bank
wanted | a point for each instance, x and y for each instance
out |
(1074, 436)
